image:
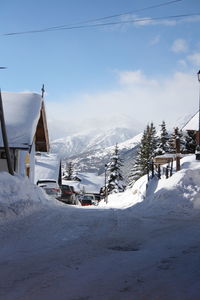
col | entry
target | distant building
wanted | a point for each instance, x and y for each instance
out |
(27, 131)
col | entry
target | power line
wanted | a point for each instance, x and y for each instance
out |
(77, 24)
(133, 11)
(102, 24)
(116, 15)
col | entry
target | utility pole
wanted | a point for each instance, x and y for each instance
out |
(4, 136)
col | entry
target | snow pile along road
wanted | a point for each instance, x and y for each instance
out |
(18, 196)
(179, 193)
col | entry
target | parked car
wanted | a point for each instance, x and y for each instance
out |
(68, 194)
(50, 186)
(90, 199)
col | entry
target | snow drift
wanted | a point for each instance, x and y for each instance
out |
(18, 196)
(179, 194)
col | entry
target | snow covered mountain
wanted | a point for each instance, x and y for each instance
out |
(89, 151)
(92, 140)
(94, 161)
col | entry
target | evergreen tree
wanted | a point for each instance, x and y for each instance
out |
(182, 141)
(69, 171)
(153, 140)
(172, 141)
(164, 139)
(115, 178)
(190, 141)
(147, 150)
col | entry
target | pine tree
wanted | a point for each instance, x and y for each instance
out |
(147, 150)
(115, 178)
(182, 141)
(172, 141)
(153, 140)
(190, 141)
(164, 139)
(69, 171)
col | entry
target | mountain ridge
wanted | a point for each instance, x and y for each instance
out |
(82, 142)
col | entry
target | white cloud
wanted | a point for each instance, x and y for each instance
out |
(155, 40)
(146, 21)
(191, 19)
(134, 78)
(166, 22)
(130, 20)
(140, 97)
(182, 63)
(179, 45)
(194, 59)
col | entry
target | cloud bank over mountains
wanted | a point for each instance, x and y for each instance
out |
(136, 96)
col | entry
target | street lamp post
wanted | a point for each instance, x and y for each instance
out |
(4, 135)
(198, 144)
(198, 76)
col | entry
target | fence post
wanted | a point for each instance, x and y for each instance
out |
(152, 168)
(159, 171)
(178, 167)
(167, 171)
(171, 168)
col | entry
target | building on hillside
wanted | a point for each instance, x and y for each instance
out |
(27, 132)
(48, 166)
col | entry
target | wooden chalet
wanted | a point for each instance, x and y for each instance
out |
(27, 131)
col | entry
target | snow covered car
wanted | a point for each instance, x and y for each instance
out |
(90, 199)
(68, 194)
(51, 187)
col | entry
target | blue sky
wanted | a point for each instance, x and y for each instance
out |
(145, 70)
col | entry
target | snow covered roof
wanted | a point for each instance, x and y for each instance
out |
(47, 166)
(21, 113)
(193, 123)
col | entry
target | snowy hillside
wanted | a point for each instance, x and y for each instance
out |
(94, 161)
(90, 140)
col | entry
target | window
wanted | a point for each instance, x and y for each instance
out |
(3, 155)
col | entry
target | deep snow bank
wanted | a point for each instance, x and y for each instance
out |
(177, 194)
(181, 191)
(19, 196)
